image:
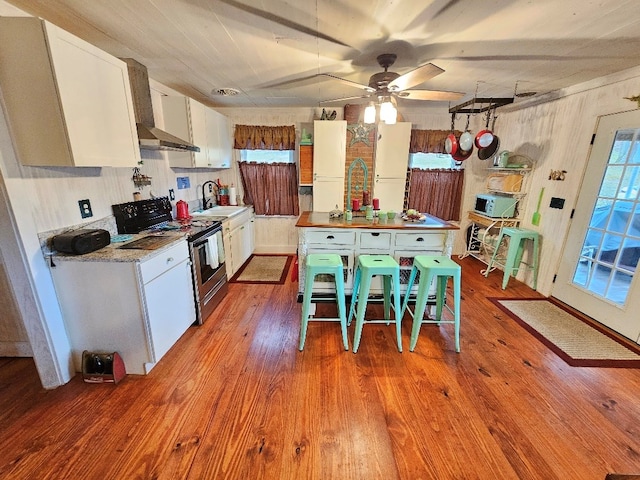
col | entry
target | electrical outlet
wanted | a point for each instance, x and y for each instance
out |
(85, 208)
(172, 194)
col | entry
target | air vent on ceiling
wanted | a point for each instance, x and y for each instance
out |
(225, 92)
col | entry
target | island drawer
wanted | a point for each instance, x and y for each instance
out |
(375, 240)
(430, 241)
(331, 237)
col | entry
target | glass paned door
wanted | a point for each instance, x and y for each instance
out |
(597, 271)
(610, 250)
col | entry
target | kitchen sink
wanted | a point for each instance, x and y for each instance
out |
(219, 210)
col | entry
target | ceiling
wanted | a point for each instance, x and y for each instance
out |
(272, 50)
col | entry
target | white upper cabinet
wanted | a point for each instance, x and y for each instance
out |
(187, 118)
(392, 150)
(67, 102)
(329, 158)
(329, 148)
(391, 162)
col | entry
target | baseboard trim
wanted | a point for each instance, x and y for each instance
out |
(15, 349)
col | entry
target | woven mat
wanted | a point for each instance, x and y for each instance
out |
(580, 342)
(264, 269)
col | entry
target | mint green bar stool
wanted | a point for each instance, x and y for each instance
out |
(369, 266)
(327, 264)
(517, 237)
(439, 268)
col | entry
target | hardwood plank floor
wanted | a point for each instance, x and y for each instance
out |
(235, 398)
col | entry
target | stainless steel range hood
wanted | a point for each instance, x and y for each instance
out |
(150, 137)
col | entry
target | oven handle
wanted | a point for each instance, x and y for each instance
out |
(204, 239)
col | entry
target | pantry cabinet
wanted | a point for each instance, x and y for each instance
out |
(329, 158)
(67, 102)
(187, 118)
(391, 162)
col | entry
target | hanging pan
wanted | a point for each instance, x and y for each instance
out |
(484, 137)
(489, 151)
(451, 145)
(466, 139)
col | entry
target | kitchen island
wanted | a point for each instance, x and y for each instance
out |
(403, 240)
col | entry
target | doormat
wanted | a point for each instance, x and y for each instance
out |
(264, 269)
(579, 341)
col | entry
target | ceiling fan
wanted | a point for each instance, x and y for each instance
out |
(388, 86)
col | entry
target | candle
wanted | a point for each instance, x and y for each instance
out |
(365, 197)
(355, 205)
(376, 204)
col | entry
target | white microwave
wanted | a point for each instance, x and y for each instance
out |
(495, 206)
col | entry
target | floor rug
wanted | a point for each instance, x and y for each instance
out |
(264, 269)
(580, 342)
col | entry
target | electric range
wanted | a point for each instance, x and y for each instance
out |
(204, 237)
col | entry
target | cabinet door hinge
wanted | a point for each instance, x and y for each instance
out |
(593, 139)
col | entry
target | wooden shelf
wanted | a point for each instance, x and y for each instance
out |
(306, 165)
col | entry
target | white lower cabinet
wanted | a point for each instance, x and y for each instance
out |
(139, 309)
(238, 235)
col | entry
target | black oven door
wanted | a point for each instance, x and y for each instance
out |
(209, 273)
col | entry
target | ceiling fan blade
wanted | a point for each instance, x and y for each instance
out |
(348, 82)
(415, 77)
(334, 100)
(433, 95)
(283, 21)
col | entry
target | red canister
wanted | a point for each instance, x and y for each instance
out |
(182, 210)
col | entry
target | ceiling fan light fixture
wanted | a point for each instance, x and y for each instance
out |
(370, 113)
(388, 113)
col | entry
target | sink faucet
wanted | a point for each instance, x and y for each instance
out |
(204, 196)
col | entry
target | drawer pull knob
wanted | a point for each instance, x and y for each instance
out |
(419, 239)
(330, 237)
(169, 259)
(376, 234)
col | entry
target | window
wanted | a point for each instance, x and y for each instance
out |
(267, 156)
(430, 161)
(270, 181)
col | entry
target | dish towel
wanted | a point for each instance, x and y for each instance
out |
(218, 236)
(211, 249)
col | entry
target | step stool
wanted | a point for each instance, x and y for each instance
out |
(517, 237)
(367, 267)
(328, 264)
(439, 268)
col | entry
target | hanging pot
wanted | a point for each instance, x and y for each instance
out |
(484, 137)
(466, 139)
(451, 145)
(461, 156)
(490, 151)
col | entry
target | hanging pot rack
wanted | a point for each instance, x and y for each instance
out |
(483, 105)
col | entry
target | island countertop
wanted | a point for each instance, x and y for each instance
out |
(322, 220)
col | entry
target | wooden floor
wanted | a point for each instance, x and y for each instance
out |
(235, 399)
